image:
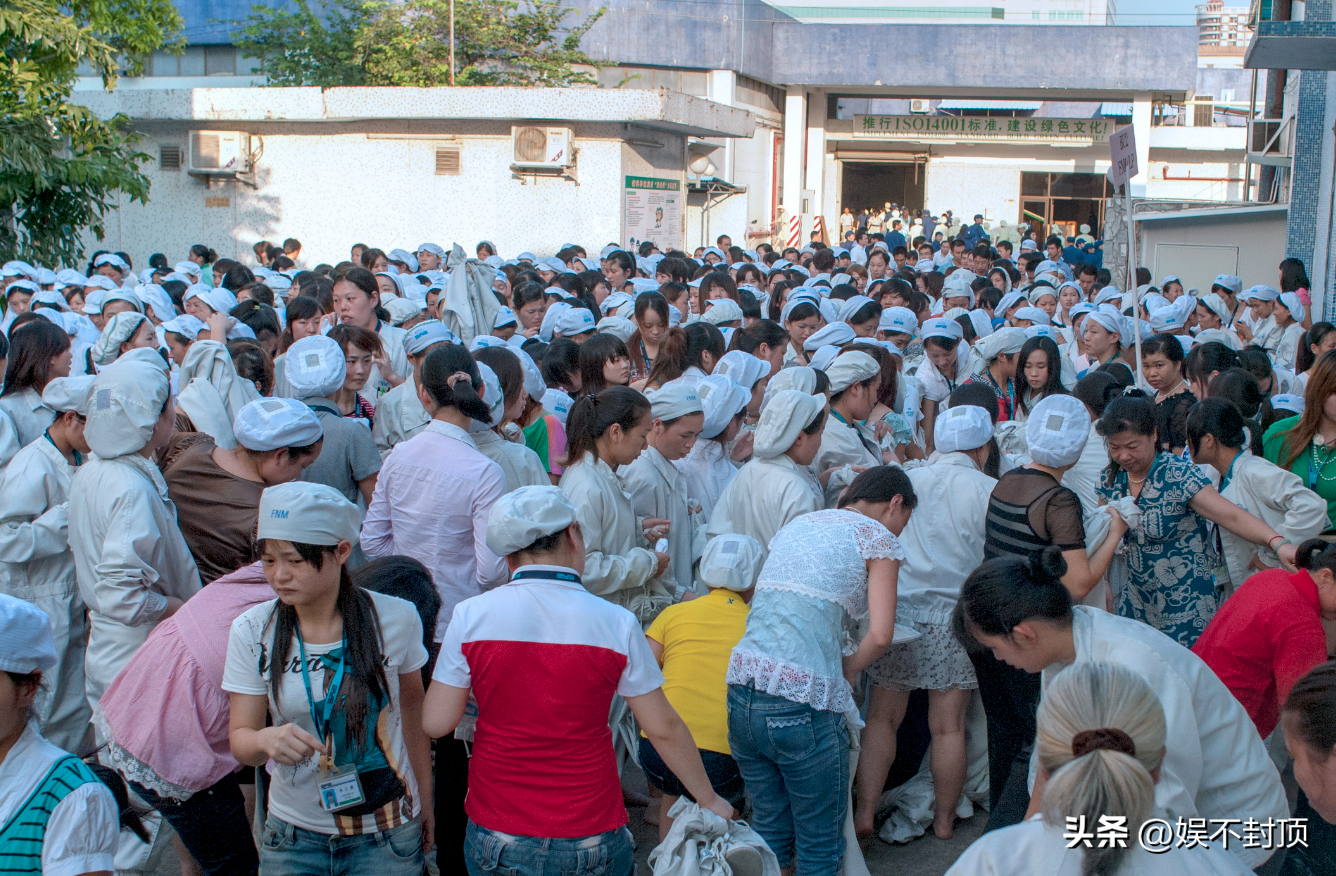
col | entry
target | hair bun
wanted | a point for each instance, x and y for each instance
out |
(1108, 738)
(1049, 563)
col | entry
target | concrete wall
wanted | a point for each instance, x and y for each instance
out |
(1198, 247)
(969, 188)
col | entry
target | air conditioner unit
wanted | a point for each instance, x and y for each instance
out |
(920, 106)
(220, 152)
(535, 147)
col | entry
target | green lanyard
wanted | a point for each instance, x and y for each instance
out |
(320, 721)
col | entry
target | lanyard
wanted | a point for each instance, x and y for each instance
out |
(1314, 467)
(321, 722)
(78, 460)
(1224, 481)
(547, 575)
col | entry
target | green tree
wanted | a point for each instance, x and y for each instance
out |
(371, 42)
(61, 167)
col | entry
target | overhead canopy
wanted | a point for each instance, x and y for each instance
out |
(1018, 105)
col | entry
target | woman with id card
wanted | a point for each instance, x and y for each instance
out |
(346, 744)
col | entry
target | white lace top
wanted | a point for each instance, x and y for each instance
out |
(811, 594)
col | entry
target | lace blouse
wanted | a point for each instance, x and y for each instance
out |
(810, 597)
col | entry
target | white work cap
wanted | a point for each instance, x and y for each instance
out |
(534, 385)
(504, 317)
(822, 358)
(1282, 402)
(849, 368)
(556, 401)
(787, 414)
(1260, 293)
(70, 277)
(403, 255)
(1166, 319)
(521, 517)
(940, 327)
(550, 317)
(119, 329)
(1290, 301)
(1110, 322)
(619, 301)
(26, 642)
(303, 512)
(1230, 282)
(270, 423)
(67, 394)
(49, 297)
(125, 401)
(187, 267)
(1004, 340)
(674, 316)
(963, 427)
(401, 310)
(1033, 314)
(1108, 293)
(126, 295)
(424, 334)
(1220, 336)
(217, 299)
(156, 297)
(898, 319)
(432, 248)
(722, 310)
(110, 258)
(492, 396)
(184, 325)
(744, 368)
(619, 327)
(731, 562)
(1044, 331)
(673, 401)
(1057, 430)
(851, 306)
(1010, 300)
(832, 334)
(983, 326)
(315, 366)
(722, 398)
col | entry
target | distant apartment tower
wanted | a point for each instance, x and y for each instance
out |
(1223, 27)
(949, 11)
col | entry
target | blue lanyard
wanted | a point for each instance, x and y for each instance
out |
(1224, 481)
(321, 722)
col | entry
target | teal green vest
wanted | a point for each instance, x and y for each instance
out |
(22, 838)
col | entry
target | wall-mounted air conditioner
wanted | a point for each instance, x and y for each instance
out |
(920, 106)
(542, 148)
(220, 152)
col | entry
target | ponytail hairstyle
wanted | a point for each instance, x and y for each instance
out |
(702, 338)
(671, 362)
(596, 352)
(1304, 355)
(1310, 709)
(592, 415)
(200, 251)
(1006, 591)
(363, 650)
(1218, 417)
(881, 483)
(445, 362)
(762, 331)
(1101, 735)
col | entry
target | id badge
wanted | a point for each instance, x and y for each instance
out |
(340, 790)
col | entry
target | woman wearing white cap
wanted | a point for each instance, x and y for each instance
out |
(351, 783)
(845, 441)
(605, 432)
(55, 816)
(39, 352)
(357, 301)
(658, 489)
(777, 485)
(503, 392)
(790, 702)
(943, 541)
(122, 333)
(134, 568)
(35, 559)
(1101, 743)
(1103, 334)
(941, 369)
(399, 413)
(710, 466)
(1289, 316)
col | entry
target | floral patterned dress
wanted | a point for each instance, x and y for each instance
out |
(1170, 553)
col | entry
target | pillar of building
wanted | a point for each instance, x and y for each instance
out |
(815, 185)
(1141, 113)
(795, 143)
(719, 87)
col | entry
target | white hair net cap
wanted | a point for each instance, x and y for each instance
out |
(619, 327)
(550, 317)
(187, 267)
(744, 368)
(722, 310)
(520, 518)
(315, 366)
(126, 295)
(26, 642)
(1220, 336)
(1283, 402)
(852, 305)
(1166, 319)
(983, 326)
(822, 358)
(1009, 339)
(184, 325)
(1010, 300)
(1230, 282)
(424, 334)
(849, 368)
(504, 317)
(673, 401)
(558, 402)
(1290, 301)
(833, 333)
(1216, 305)
(534, 384)
(119, 329)
(963, 427)
(1035, 315)
(67, 394)
(401, 310)
(574, 321)
(731, 562)
(674, 316)
(788, 413)
(492, 396)
(303, 512)
(799, 377)
(157, 298)
(110, 258)
(1057, 430)
(1259, 293)
(217, 299)
(270, 423)
(898, 319)
(1110, 322)
(941, 327)
(722, 398)
(1045, 331)
(125, 401)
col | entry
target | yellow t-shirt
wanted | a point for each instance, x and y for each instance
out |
(697, 639)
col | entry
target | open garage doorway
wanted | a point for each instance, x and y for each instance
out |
(870, 184)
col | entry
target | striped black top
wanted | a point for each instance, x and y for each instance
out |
(1029, 511)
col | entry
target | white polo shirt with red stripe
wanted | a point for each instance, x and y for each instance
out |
(544, 658)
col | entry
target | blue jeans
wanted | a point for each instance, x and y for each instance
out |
(492, 853)
(794, 760)
(288, 850)
(212, 825)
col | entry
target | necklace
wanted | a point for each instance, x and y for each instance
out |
(1159, 397)
(1316, 466)
(1132, 480)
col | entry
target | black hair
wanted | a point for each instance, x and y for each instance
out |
(1256, 362)
(1096, 390)
(505, 364)
(434, 375)
(1312, 707)
(252, 363)
(1293, 276)
(407, 579)
(1207, 358)
(947, 344)
(257, 316)
(299, 307)
(624, 260)
(237, 277)
(561, 363)
(1130, 412)
(701, 338)
(201, 251)
(881, 483)
(33, 344)
(596, 352)
(1245, 393)
(366, 281)
(1053, 384)
(592, 415)
(763, 331)
(1167, 346)
(869, 311)
(176, 290)
(1304, 358)
(158, 261)
(366, 682)
(1218, 417)
(1006, 591)
(127, 817)
(804, 309)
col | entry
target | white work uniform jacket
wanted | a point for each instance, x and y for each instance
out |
(708, 470)
(943, 540)
(23, 419)
(1266, 334)
(36, 565)
(840, 446)
(658, 489)
(399, 416)
(1032, 848)
(1287, 348)
(618, 565)
(1215, 765)
(765, 496)
(129, 556)
(1280, 498)
(521, 465)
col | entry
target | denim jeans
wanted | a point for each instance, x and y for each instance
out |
(492, 853)
(288, 850)
(794, 760)
(212, 825)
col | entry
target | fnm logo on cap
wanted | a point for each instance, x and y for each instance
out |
(279, 513)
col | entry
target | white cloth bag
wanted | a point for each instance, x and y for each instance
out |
(701, 844)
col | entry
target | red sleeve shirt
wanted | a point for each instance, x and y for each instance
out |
(1263, 639)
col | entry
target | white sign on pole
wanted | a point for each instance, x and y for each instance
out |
(1123, 156)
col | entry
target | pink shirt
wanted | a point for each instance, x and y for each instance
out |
(431, 503)
(166, 713)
